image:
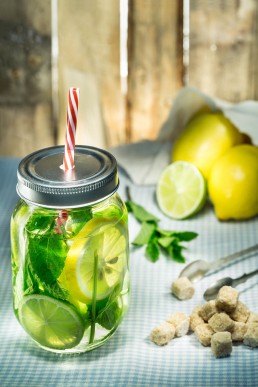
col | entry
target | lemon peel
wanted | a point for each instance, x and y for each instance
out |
(101, 238)
(233, 183)
(205, 139)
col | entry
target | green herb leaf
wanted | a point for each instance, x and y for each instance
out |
(30, 284)
(56, 291)
(165, 241)
(186, 236)
(47, 257)
(40, 223)
(175, 252)
(110, 316)
(165, 233)
(140, 213)
(145, 234)
(156, 239)
(79, 219)
(152, 250)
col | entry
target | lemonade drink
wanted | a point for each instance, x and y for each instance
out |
(70, 264)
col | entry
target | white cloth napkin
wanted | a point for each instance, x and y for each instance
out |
(144, 161)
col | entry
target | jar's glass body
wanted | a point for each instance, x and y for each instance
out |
(70, 273)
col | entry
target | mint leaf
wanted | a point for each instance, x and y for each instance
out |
(152, 250)
(165, 233)
(186, 236)
(79, 218)
(56, 291)
(46, 250)
(47, 257)
(140, 213)
(165, 241)
(40, 223)
(30, 285)
(111, 211)
(156, 239)
(110, 316)
(175, 252)
(145, 234)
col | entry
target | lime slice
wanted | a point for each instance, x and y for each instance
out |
(17, 228)
(181, 190)
(96, 257)
(51, 323)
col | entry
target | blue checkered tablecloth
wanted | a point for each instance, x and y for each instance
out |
(129, 358)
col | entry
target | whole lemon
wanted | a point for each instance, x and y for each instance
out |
(233, 183)
(205, 139)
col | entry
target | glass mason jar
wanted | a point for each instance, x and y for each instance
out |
(69, 240)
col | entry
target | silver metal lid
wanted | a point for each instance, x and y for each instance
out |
(43, 182)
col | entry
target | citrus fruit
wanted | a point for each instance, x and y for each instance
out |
(205, 139)
(181, 190)
(17, 228)
(96, 260)
(233, 183)
(50, 322)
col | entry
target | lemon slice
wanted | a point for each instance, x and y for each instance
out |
(181, 190)
(97, 257)
(50, 322)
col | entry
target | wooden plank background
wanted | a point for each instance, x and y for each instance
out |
(89, 58)
(222, 56)
(25, 76)
(224, 48)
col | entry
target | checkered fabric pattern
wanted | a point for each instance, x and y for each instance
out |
(129, 358)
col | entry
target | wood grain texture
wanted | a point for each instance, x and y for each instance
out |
(25, 128)
(223, 56)
(25, 76)
(155, 64)
(223, 48)
(89, 58)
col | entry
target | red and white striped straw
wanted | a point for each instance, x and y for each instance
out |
(71, 123)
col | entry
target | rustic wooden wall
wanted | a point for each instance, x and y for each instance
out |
(25, 76)
(89, 58)
(224, 48)
(155, 64)
(222, 62)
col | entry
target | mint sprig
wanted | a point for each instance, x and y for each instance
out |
(157, 240)
(45, 256)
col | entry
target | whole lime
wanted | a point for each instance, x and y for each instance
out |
(205, 139)
(181, 190)
(233, 183)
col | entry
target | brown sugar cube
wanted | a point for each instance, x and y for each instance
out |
(195, 318)
(163, 333)
(204, 333)
(208, 310)
(239, 330)
(182, 288)
(241, 313)
(221, 344)
(181, 322)
(227, 299)
(221, 322)
(251, 336)
(253, 318)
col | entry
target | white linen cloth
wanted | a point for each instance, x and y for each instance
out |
(144, 161)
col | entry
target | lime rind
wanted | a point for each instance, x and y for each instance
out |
(181, 190)
(18, 222)
(51, 323)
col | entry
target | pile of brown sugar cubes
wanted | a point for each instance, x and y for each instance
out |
(216, 323)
